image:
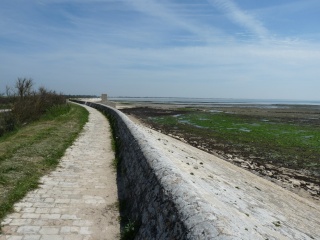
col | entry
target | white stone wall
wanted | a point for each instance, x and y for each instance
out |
(155, 194)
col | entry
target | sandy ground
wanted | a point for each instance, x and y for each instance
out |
(240, 199)
(79, 199)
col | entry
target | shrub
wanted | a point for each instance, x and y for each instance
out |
(7, 122)
(27, 105)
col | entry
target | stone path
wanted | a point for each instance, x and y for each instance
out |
(76, 201)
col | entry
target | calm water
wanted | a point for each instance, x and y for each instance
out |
(212, 101)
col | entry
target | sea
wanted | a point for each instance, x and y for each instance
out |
(213, 101)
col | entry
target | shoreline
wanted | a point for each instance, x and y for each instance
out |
(214, 101)
(297, 181)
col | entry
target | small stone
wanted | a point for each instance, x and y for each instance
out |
(244, 165)
(295, 183)
(237, 160)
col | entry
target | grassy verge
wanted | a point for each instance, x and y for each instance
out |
(286, 143)
(34, 150)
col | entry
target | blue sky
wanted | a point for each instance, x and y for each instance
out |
(201, 48)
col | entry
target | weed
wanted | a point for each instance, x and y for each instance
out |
(129, 231)
(277, 223)
(114, 164)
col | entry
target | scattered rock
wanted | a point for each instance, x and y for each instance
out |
(237, 160)
(269, 173)
(295, 183)
(244, 165)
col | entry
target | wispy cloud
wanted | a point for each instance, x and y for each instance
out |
(206, 33)
(142, 47)
(241, 18)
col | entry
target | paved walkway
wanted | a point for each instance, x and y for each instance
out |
(76, 201)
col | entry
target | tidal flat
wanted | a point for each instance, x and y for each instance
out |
(278, 142)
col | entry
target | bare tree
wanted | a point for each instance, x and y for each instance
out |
(8, 91)
(24, 87)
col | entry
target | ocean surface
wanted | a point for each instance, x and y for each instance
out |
(212, 101)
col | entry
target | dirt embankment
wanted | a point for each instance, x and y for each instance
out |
(300, 181)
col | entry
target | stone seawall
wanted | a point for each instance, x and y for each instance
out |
(157, 198)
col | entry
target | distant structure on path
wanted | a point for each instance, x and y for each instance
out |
(104, 97)
(104, 100)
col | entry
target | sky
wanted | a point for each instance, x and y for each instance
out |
(266, 49)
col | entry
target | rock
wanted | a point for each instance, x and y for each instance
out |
(237, 160)
(269, 166)
(284, 177)
(295, 182)
(253, 166)
(302, 183)
(310, 186)
(317, 188)
(313, 193)
(244, 165)
(269, 173)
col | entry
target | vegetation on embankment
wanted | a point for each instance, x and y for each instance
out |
(33, 150)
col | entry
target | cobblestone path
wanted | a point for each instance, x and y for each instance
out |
(76, 201)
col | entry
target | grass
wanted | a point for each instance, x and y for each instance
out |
(290, 144)
(34, 150)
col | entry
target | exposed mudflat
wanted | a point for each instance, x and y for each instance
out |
(300, 181)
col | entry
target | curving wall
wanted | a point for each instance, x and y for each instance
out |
(155, 194)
